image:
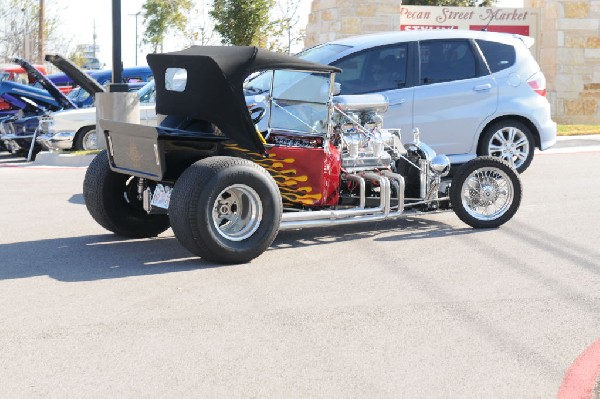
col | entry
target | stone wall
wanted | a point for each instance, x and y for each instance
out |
(567, 45)
(334, 19)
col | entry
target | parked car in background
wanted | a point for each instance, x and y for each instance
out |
(17, 74)
(18, 132)
(76, 129)
(469, 92)
(62, 81)
(133, 76)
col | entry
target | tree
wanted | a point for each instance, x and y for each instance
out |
(77, 58)
(199, 29)
(283, 31)
(241, 22)
(450, 3)
(160, 16)
(19, 30)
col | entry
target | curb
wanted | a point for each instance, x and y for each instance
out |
(47, 158)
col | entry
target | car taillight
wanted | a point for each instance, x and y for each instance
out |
(537, 82)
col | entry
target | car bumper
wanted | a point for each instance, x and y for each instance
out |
(57, 141)
(547, 135)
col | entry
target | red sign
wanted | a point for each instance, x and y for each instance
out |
(517, 29)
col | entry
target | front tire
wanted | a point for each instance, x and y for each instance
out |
(225, 209)
(86, 139)
(486, 192)
(111, 199)
(509, 140)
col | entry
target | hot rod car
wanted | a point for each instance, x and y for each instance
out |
(226, 188)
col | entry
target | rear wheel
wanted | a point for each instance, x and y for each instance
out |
(486, 192)
(112, 200)
(511, 141)
(225, 209)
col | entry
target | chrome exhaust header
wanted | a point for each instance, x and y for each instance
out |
(297, 220)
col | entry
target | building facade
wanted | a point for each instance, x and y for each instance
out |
(567, 34)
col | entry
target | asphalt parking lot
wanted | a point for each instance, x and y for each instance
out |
(421, 307)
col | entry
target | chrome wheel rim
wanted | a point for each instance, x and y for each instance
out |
(510, 144)
(90, 140)
(487, 193)
(237, 212)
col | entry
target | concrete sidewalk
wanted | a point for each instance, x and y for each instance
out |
(47, 158)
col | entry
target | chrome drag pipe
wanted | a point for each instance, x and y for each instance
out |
(340, 216)
(401, 185)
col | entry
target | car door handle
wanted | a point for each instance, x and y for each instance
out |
(398, 102)
(483, 87)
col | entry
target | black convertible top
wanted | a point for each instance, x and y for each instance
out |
(214, 92)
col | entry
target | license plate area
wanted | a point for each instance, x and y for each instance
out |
(161, 196)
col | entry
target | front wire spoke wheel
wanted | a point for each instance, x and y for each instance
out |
(485, 192)
(492, 195)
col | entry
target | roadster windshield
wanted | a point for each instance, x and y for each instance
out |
(300, 101)
(261, 83)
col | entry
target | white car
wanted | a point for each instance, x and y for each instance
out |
(468, 92)
(76, 129)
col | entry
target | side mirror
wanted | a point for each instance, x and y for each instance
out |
(337, 88)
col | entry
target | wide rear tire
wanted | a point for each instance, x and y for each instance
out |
(486, 192)
(225, 209)
(111, 199)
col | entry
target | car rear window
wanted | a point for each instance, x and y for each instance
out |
(446, 61)
(499, 56)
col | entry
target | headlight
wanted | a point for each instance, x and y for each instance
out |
(46, 124)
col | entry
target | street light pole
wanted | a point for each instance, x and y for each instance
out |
(117, 67)
(136, 35)
(26, 35)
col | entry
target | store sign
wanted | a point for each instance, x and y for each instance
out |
(509, 20)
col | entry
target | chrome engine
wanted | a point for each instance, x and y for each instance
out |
(364, 144)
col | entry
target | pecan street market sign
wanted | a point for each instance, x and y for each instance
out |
(510, 20)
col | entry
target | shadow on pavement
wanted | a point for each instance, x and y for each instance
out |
(409, 228)
(95, 258)
(100, 257)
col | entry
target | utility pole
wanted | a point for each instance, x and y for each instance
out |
(41, 36)
(26, 41)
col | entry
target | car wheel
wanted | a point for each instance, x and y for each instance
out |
(485, 192)
(511, 141)
(86, 139)
(111, 198)
(225, 209)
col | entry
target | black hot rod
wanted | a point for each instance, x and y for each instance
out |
(226, 187)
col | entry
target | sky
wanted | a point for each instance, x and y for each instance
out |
(83, 15)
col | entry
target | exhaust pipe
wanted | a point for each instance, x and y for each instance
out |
(298, 220)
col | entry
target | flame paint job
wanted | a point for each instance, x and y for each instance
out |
(305, 176)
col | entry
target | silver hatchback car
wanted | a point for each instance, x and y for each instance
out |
(469, 92)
